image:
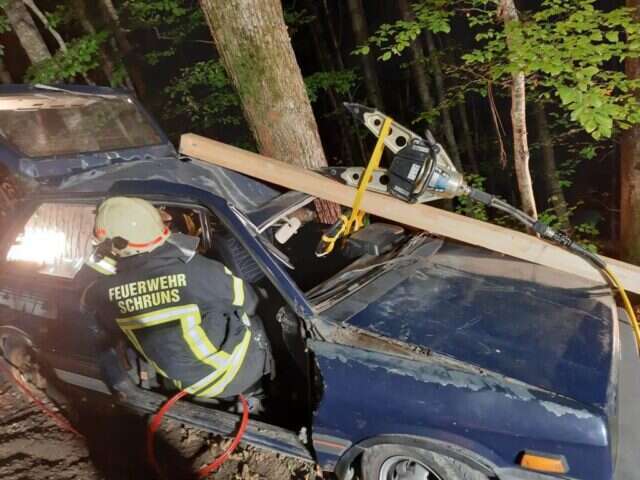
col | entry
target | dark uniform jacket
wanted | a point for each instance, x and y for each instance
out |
(191, 318)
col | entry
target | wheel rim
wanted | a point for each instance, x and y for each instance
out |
(406, 468)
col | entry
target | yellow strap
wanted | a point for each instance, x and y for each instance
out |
(355, 221)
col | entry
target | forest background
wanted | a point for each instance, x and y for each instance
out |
(536, 101)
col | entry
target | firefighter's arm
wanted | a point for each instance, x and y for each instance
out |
(103, 339)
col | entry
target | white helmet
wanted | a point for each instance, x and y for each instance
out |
(132, 224)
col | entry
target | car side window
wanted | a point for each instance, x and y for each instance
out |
(55, 241)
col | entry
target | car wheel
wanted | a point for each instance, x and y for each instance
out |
(397, 462)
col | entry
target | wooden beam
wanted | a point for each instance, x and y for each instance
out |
(423, 217)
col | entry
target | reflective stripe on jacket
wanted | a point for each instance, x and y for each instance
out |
(188, 317)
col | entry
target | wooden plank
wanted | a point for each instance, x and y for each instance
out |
(423, 217)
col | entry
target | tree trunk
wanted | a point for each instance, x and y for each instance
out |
(361, 36)
(447, 123)
(328, 64)
(130, 58)
(254, 46)
(27, 32)
(467, 137)
(108, 64)
(5, 76)
(508, 13)
(549, 167)
(418, 64)
(630, 173)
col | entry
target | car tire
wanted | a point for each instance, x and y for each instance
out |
(387, 462)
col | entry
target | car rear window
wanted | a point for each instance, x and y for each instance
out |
(97, 124)
(55, 241)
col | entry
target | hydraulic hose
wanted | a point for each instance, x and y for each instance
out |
(57, 419)
(156, 421)
(565, 241)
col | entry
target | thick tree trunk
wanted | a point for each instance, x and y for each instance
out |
(27, 32)
(361, 36)
(5, 76)
(508, 13)
(447, 123)
(418, 64)
(630, 173)
(255, 48)
(549, 167)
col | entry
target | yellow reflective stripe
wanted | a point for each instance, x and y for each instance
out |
(238, 291)
(157, 317)
(199, 344)
(101, 268)
(238, 288)
(206, 381)
(237, 359)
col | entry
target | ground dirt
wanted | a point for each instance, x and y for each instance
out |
(33, 447)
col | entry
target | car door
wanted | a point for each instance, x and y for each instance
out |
(41, 283)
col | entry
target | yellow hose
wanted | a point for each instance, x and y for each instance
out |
(627, 305)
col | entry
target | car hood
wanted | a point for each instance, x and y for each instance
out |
(528, 322)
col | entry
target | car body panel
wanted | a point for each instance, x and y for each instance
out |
(481, 413)
(556, 338)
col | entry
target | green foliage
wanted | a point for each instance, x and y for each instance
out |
(4, 23)
(61, 15)
(394, 38)
(204, 95)
(342, 82)
(568, 47)
(296, 18)
(174, 21)
(82, 56)
(468, 207)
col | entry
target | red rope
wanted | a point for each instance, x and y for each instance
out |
(57, 419)
(156, 421)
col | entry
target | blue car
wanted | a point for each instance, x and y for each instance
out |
(400, 356)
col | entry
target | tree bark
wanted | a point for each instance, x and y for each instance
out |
(508, 13)
(27, 32)
(630, 172)
(361, 36)
(549, 167)
(5, 76)
(54, 33)
(418, 64)
(254, 46)
(447, 123)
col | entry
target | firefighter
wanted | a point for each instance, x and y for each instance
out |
(187, 315)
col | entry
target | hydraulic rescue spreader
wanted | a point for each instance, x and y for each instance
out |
(420, 172)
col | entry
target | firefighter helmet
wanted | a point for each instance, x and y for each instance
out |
(132, 224)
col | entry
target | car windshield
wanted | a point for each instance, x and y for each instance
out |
(63, 124)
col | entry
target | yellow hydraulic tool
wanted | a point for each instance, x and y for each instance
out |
(348, 225)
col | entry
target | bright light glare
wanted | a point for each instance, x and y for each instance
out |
(38, 245)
